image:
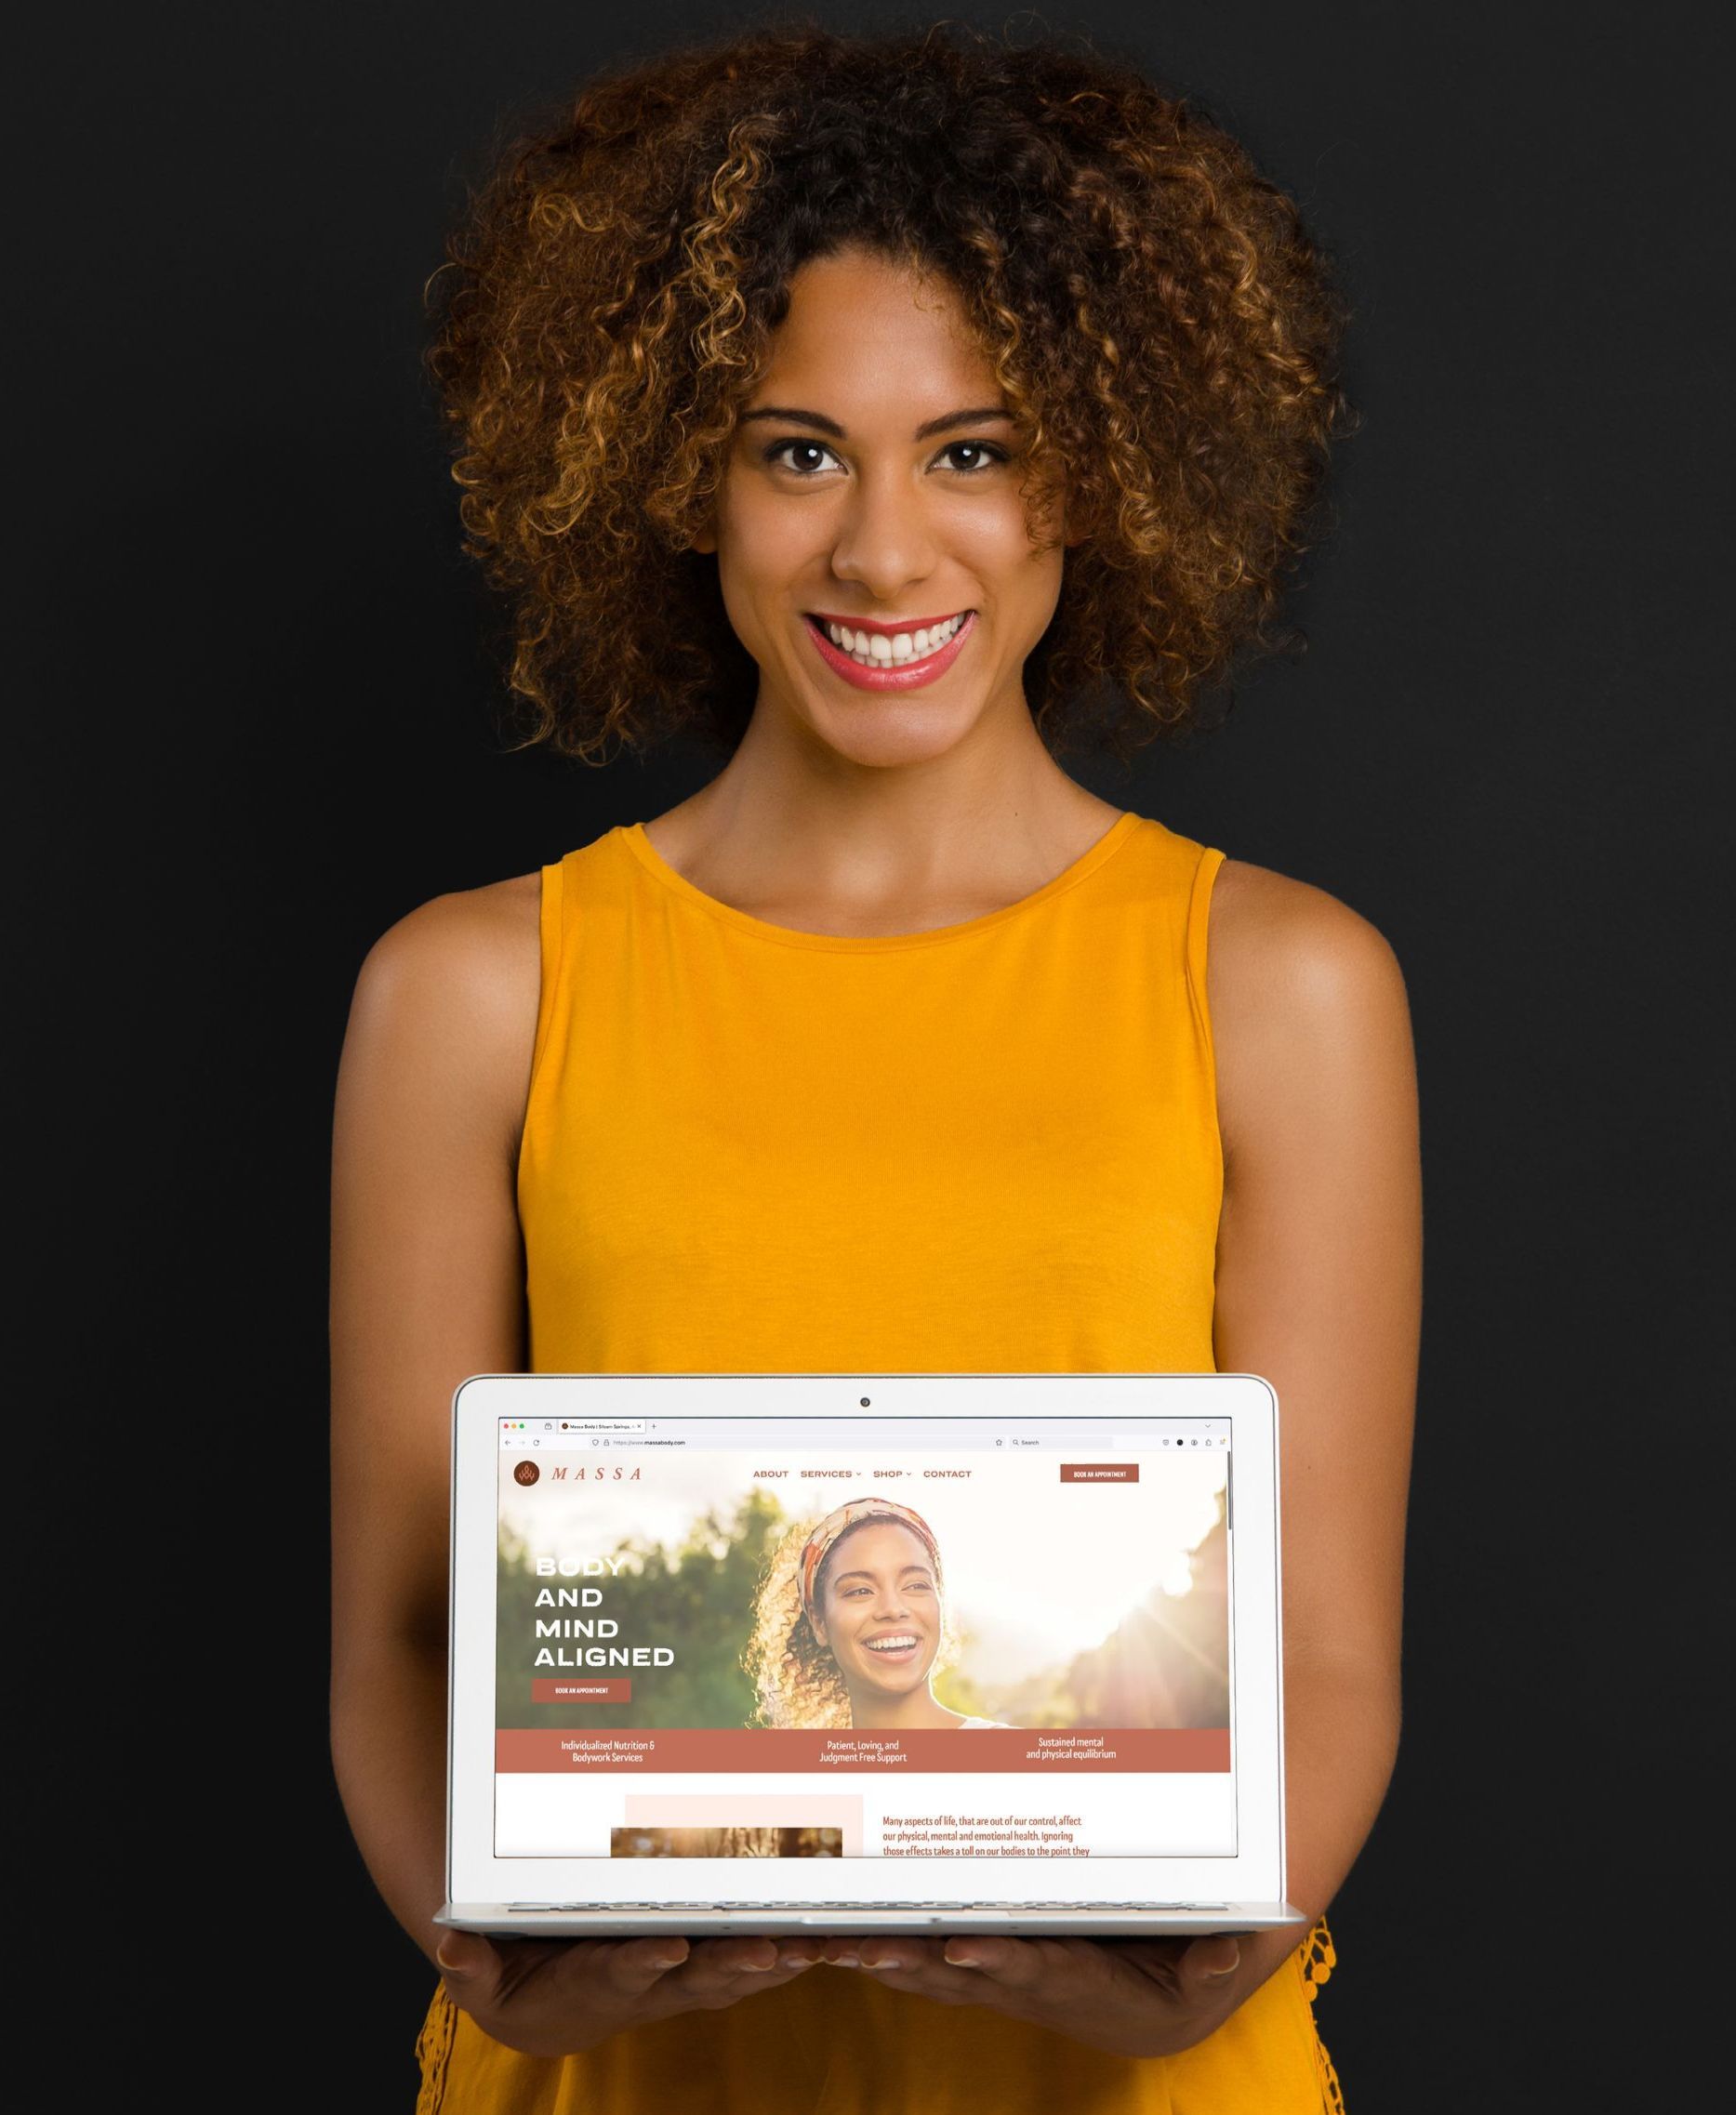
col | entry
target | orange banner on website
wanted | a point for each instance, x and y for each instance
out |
(771, 1752)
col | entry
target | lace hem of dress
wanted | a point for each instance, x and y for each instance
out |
(434, 2053)
(1315, 1960)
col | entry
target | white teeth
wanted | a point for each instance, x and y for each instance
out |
(890, 1644)
(876, 649)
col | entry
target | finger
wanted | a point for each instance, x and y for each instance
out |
(913, 1948)
(635, 1965)
(481, 1971)
(791, 1961)
(917, 1965)
(886, 1952)
(846, 1950)
(996, 1956)
(1016, 1963)
(843, 1950)
(723, 1958)
(467, 1962)
(1208, 1961)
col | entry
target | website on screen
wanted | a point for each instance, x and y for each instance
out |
(864, 1637)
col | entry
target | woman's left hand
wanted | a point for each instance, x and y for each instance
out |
(1132, 1997)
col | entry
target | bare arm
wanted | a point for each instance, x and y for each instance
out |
(1318, 1269)
(1320, 1291)
(428, 1287)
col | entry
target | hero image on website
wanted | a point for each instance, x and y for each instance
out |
(864, 1637)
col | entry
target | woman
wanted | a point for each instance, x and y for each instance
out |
(850, 1622)
(877, 407)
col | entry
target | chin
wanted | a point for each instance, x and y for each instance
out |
(897, 1682)
(886, 732)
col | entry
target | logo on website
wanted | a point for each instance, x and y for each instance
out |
(525, 1473)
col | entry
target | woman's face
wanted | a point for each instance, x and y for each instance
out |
(880, 506)
(880, 1608)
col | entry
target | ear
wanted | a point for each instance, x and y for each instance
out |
(818, 1627)
(706, 540)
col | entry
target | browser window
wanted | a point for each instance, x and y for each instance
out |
(868, 1637)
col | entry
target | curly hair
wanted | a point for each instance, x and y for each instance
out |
(1163, 329)
(794, 1677)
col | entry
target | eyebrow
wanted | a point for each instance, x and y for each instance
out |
(821, 424)
(925, 1570)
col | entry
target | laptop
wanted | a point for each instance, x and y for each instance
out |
(865, 1652)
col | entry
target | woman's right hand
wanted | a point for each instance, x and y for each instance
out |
(550, 1998)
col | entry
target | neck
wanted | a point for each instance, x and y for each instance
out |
(885, 851)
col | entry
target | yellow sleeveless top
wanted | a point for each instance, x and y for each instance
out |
(991, 1147)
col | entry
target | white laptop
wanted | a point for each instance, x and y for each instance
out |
(753, 1653)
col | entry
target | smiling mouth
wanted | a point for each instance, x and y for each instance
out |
(876, 648)
(896, 1642)
(896, 662)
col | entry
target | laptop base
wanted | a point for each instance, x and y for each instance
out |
(768, 1920)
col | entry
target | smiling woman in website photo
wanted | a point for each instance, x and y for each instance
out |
(850, 1622)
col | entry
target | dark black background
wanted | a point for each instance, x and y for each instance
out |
(253, 707)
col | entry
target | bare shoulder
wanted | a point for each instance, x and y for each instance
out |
(474, 945)
(1306, 997)
(447, 997)
(1273, 938)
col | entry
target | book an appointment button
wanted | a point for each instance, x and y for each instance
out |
(1100, 1472)
(581, 1689)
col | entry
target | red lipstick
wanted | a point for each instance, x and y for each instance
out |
(889, 675)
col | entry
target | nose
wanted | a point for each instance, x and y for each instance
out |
(885, 540)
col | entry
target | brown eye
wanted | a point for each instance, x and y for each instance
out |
(775, 452)
(981, 449)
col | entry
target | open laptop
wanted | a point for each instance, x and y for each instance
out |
(754, 1653)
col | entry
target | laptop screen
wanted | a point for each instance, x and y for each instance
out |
(874, 1637)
